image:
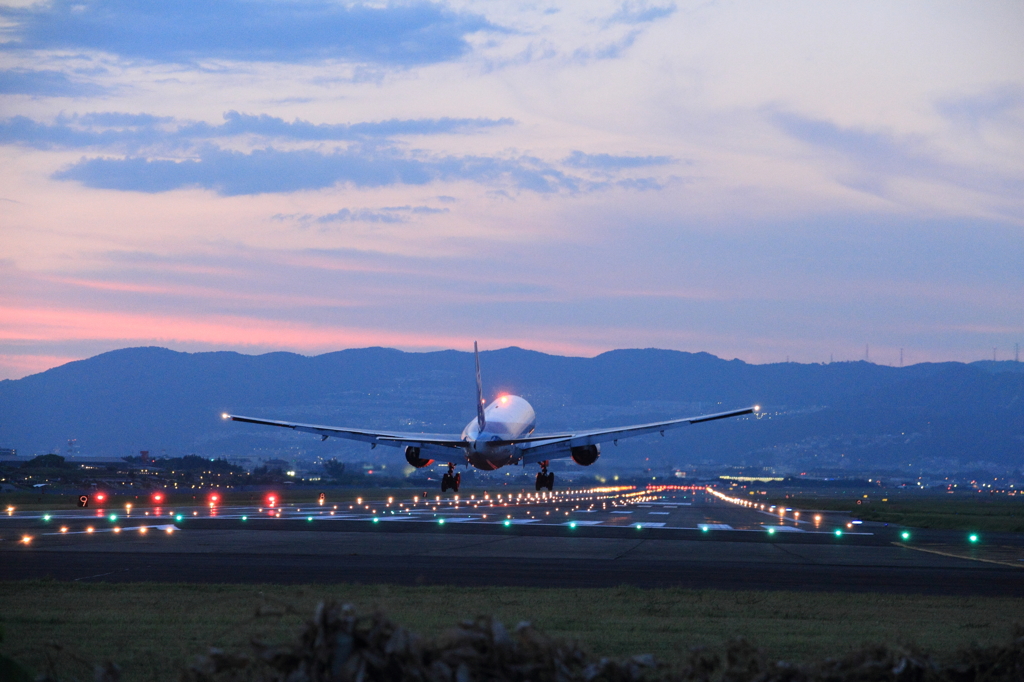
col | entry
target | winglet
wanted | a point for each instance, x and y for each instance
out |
(480, 420)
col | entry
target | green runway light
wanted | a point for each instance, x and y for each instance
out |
(905, 535)
(771, 531)
(704, 529)
(178, 517)
(46, 517)
(506, 523)
(376, 520)
(309, 518)
(245, 518)
(572, 524)
(440, 522)
(973, 537)
(113, 517)
(639, 527)
(839, 533)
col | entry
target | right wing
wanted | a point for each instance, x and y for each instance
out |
(550, 447)
(392, 438)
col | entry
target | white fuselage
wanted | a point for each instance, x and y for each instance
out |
(506, 418)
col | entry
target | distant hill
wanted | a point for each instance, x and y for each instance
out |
(946, 416)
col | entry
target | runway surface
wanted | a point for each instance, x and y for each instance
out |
(572, 539)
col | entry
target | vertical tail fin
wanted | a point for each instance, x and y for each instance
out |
(480, 420)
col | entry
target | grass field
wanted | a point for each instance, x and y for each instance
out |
(966, 512)
(151, 630)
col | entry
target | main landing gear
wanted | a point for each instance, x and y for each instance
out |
(545, 479)
(451, 480)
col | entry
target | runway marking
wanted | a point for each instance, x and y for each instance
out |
(583, 523)
(957, 556)
(785, 529)
(714, 526)
(659, 513)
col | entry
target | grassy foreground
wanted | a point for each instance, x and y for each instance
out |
(151, 630)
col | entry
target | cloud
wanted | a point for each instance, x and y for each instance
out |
(388, 214)
(876, 157)
(271, 170)
(641, 13)
(578, 159)
(1001, 104)
(132, 132)
(185, 31)
(44, 83)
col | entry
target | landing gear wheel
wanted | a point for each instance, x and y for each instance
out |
(550, 482)
(456, 481)
(541, 480)
(445, 483)
(545, 479)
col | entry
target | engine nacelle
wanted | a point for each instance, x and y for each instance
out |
(585, 455)
(412, 456)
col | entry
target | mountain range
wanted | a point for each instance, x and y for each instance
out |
(856, 416)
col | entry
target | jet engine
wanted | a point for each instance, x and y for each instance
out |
(585, 455)
(412, 456)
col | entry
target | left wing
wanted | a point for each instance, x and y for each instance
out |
(555, 446)
(392, 438)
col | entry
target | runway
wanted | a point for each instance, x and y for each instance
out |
(672, 539)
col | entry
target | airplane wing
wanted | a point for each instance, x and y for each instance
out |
(540, 448)
(392, 438)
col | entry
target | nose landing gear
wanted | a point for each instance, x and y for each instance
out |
(451, 480)
(545, 479)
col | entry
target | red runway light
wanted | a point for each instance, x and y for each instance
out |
(158, 497)
(214, 498)
(100, 497)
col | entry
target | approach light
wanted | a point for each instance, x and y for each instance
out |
(26, 539)
(905, 535)
(63, 529)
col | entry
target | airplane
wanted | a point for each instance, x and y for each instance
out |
(501, 435)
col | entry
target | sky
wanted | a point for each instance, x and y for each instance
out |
(800, 181)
